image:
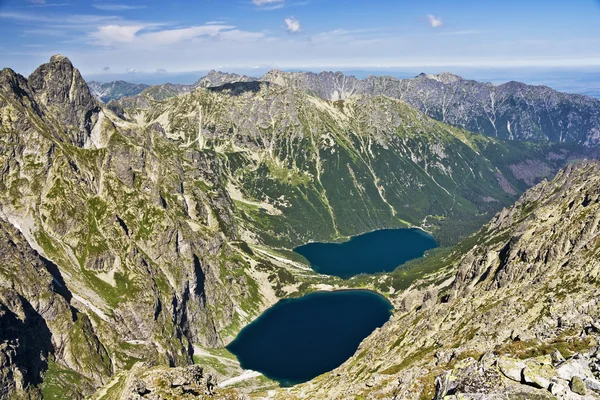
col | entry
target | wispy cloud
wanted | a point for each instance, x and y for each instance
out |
(465, 32)
(76, 20)
(434, 21)
(147, 36)
(292, 25)
(269, 4)
(113, 34)
(44, 4)
(117, 7)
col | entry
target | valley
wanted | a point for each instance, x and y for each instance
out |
(154, 234)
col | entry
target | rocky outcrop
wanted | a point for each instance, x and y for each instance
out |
(154, 383)
(536, 377)
(59, 87)
(218, 78)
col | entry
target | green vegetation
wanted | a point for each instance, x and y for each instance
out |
(61, 382)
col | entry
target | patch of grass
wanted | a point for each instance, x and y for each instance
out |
(565, 344)
(62, 383)
(408, 361)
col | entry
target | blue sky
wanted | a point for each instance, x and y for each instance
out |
(176, 36)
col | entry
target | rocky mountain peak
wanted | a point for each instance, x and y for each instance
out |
(218, 78)
(60, 87)
(443, 77)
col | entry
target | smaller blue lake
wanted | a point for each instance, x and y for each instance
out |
(299, 339)
(378, 251)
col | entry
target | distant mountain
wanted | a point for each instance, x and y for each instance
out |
(217, 78)
(512, 110)
(106, 92)
(116, 90)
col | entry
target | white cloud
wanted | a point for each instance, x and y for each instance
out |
(434, 21)
(37, 1)
(116, 7)
(144, 37)
(112, 34)
(292, 24)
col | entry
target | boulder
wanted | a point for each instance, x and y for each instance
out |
(592, 384)
(539, 375)
(574, 367)
(511, 368)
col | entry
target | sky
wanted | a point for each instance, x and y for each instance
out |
(134, 37)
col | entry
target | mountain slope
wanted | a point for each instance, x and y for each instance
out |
(139, 235)
(359, 164)
(522, 296)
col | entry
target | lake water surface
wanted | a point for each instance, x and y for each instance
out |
(373, 252)
(299, 339)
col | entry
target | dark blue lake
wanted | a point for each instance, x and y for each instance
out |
(377, 251)
(299, 339)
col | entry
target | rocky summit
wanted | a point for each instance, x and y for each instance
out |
(138, 237)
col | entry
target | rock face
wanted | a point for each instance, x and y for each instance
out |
(129, 247)
(59, 87)
(39, 324)
(519, 317)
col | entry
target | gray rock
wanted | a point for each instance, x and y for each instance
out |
(557, 358)
(539, 375)
(511, 368)
(592, 384)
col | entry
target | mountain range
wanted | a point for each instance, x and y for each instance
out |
(513, 111)
(142, 234)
